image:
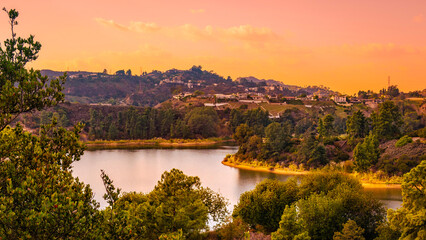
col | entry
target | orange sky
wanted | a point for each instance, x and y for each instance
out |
(347, 45)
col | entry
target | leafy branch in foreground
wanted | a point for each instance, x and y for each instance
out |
(23, 90)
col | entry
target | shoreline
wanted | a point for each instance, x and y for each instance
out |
(158, 143)
(292, 173)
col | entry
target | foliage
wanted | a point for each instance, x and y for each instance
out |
(289, 228)
(410, 219)
(177, 203)
(256, 119)
(311, 152)
(385, 232)
(178, 235)
(39, 197)
(277, 137)
(398, 166)
(202, 121)
(135, 124)
(387, 122)
(23, 90)
(351, 231)
(242, 134)
(232, 228)
(112, 194)
(324, 182)
(263, 206)
(333, 203)
(356, 126)
(366, 153)
(325, 126)
(403, 141)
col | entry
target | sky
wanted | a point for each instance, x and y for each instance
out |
(347, 45)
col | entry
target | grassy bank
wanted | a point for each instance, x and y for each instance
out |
(368, 180)
(159, 143)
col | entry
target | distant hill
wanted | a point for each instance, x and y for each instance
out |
(308, 90)
(155, 87)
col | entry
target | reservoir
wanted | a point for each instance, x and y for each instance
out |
(140, 169)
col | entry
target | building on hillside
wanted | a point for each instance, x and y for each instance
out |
(182, 95)
(242, 95)
(339, 99)
(225, 96)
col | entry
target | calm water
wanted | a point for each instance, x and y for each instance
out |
(139, 170)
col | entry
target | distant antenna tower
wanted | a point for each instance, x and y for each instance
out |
(388, 81)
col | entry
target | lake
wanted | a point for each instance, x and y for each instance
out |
(140, 169)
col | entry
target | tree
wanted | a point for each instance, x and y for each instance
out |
(387, 122)
(129, 72)
(321, 129)
(290, 228)
(242, 134)
(23, 90)
(202, 121)
(253, 148)
(324, 182)
(39, 197)
(232, 228)
(393, 91)
(351, 231)
(112, 194)
(366, 153)
(177, 204)
(112, 132)
(356, 126)
(263, 206)
(328, 124)
(120, 72)
(325, 126)
(277, 137)
(333, 206)
(318, 156)
(311, 152)
(410, 219)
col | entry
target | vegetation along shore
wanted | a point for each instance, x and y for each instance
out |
(160, 143)
(366, 182)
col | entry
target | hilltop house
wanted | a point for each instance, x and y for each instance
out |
(339, 99)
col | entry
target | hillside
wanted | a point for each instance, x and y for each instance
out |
(149, 89)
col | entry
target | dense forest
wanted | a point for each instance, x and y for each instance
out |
(316, 142)
(40, 198)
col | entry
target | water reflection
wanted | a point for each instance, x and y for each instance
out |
(140, 169)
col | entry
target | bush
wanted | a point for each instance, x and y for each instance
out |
(403, 141)
(422, 132)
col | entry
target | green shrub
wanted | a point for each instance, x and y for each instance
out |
(403, 141)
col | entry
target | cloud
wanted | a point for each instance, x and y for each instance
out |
(418, 18)
(197, 11)
(139, 27)
(246, 33)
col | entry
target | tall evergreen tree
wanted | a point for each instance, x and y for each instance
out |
(366, 153)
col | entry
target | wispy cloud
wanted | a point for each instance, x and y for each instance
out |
(140, 27)
(245, 33)
(197, 11)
